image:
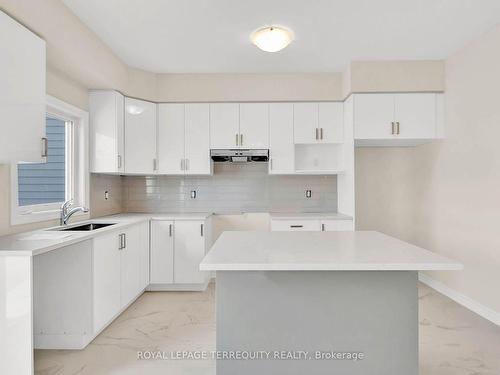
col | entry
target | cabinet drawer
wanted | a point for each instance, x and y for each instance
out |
(336, 225)
(295, 225)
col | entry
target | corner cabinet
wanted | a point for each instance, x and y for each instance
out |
(177, 248)
(22, 93)
(81, 288)
(140, 137)
(399, 119)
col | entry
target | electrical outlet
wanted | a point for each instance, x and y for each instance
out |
(308, 193)
(106, 195)
(193, 194)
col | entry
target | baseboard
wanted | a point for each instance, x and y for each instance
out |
(178, 287)
(481, 310)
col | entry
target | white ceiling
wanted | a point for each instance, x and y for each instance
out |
(212, 36)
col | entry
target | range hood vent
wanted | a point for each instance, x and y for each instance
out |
(239, 155)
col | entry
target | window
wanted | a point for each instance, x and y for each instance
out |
(39, 189)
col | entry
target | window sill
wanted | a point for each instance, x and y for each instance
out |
(39, 216)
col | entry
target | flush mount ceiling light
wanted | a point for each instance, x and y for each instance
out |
(134, 109)
(272, 38)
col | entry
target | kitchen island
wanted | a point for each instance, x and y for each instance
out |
(318, 302)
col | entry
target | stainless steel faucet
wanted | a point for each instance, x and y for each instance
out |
(67, 211)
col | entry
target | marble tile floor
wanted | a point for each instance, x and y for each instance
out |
(453, 340)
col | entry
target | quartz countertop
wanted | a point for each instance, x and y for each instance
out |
(319, 251)
(309, 216)
(47, 239)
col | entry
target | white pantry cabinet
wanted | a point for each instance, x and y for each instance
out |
(106, 131)
(318, 123)
(244, 125)
(140, 137)
(397, 119)
(177, 248)
(22, 93)
(184, 139)
(281, 147)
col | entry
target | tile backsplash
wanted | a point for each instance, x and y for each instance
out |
(233, 188)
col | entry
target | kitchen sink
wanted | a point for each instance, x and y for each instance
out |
(85, 227)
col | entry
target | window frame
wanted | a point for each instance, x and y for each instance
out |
(77, 181)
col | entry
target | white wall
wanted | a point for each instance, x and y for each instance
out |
(445, 196)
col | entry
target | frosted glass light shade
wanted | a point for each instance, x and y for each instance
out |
(272, 38)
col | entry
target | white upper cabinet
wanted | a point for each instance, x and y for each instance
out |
(397, 119)
(197, 139)
(254, 125)
(22, 93)
(281, 145)
(415, 116)
(305, 122)
(140, 136)
(106, 131)
(373, 116)
(184, 139)
(171, 138)
(224, 125)
(331, 122)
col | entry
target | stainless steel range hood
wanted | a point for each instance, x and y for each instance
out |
(239, 155)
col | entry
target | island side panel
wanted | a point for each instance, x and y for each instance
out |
(373, 312)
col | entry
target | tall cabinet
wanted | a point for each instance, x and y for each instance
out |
(22, 93)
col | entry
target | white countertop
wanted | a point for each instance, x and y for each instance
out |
(309, 216)
(44, 240)
(319, 251)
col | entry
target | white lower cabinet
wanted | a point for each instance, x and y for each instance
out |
(311, 225)
(79, 289)
(177, 248)
(162, 251)
(107, 278)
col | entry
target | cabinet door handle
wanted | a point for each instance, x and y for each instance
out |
(201, 230)
(170, 230)
(124, 240)
(316, 133)
(392, 127)
(155, 164)
(296, 226)
(187, 164)
(45, 147)
(322, 227)
(120, 241)
(241, 139)
(119, 157)
(182, 164)
(236, 139)
(397, 128)
(321, 133)
(271, 164)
